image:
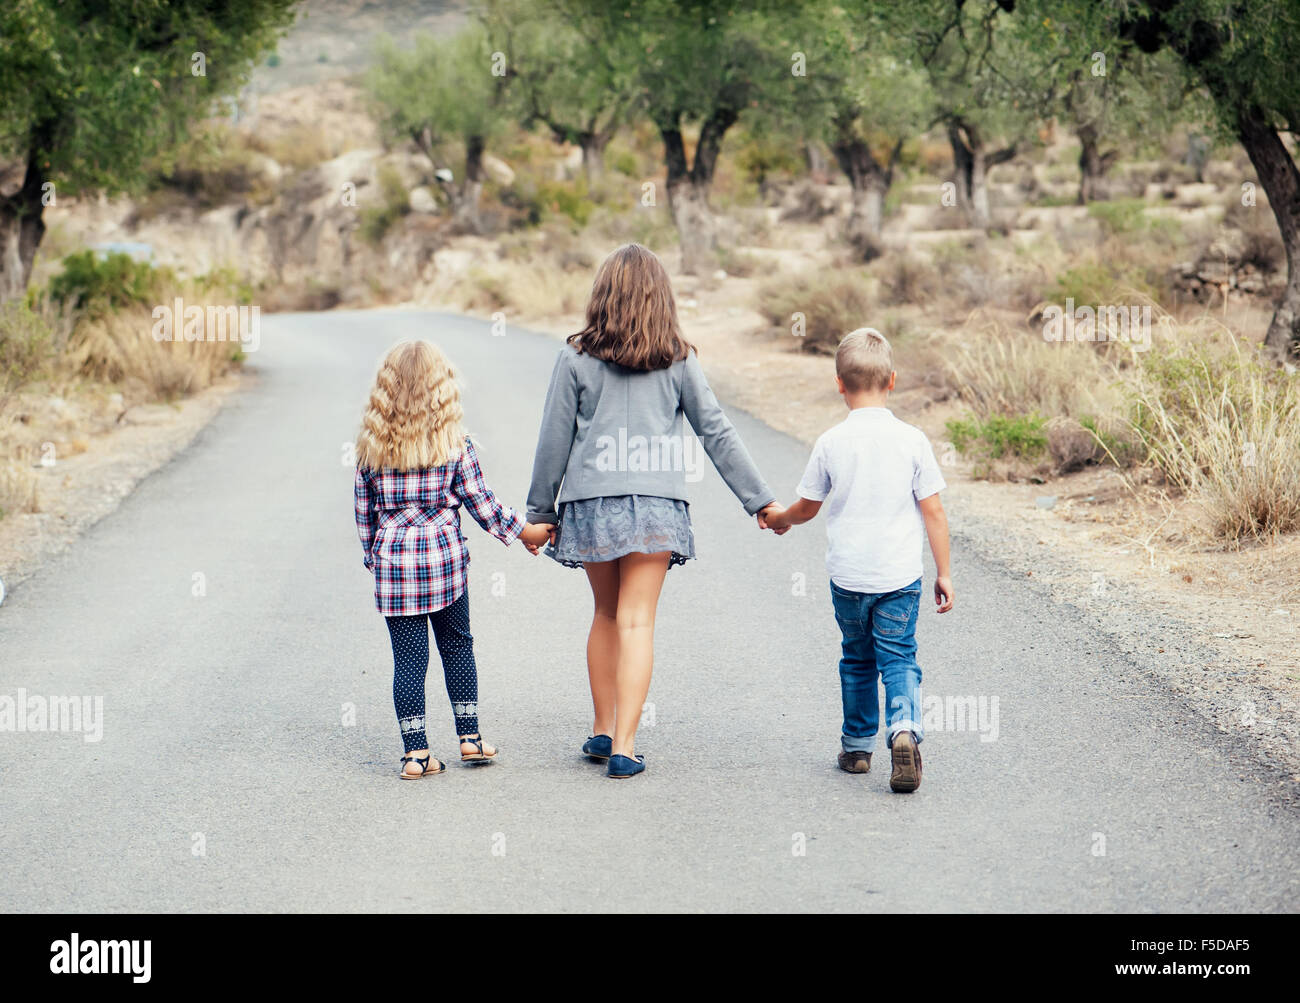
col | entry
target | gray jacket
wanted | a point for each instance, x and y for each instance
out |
(607, 430)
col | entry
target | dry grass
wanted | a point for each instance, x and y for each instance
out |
(999, 372)
(523, 289)
(828, 305)
(17, 488)
(120, 350)
(52, 359)
(1223, 424)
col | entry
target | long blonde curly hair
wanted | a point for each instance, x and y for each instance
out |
(413, 418)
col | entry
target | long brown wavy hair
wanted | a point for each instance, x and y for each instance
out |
(413, 418)
(631, 315)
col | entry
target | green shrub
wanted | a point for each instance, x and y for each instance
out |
(540, 201)
(624, 162)
(1095, 282)
(762, 155)
(1120, 216)
(100, 284)
(999, 436)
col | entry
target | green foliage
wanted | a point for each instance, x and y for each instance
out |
(570, 200)
(697, 61)
(1120, 216)
(439, 92)
(999, 436)
(100, 284)
(558, 77)
(1093, 283)
(623, 161)
(864, 81)
(761, 153)
(95, 87)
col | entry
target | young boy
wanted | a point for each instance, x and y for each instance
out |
(880, 482)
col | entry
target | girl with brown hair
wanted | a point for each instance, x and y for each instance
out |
(610, 474)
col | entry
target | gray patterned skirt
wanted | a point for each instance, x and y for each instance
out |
(605, 529)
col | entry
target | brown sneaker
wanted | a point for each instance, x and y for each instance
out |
(855, 762)
(905, 755)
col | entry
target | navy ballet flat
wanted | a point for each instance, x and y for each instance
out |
(621, 767)
(598, 747)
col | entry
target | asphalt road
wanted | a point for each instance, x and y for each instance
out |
(227, 778)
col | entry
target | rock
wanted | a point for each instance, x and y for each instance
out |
(498, 170)
(1195, 193)
(421, 200)
(720, 274)
(1045, 501)
(265, 167)
(570, 162)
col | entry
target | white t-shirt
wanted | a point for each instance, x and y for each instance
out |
(872, 471)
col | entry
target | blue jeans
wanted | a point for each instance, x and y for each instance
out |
(879, 640)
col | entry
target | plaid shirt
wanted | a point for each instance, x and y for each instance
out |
(409, 524)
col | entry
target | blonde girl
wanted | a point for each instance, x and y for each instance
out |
(415, 469)
(610, 472)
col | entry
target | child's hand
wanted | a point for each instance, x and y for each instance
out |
(773, 517)
(536, 535)
(943, 594)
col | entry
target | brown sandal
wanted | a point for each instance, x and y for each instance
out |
(476, 757)
(425, 770)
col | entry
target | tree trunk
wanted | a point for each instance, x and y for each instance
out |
(465, 213)
(1278, 175)
(816, 162)
(21, 230)
(696, 227)
(1093, 164)
(972, 162)
(688, 189)
(869, 182)
(593, 155)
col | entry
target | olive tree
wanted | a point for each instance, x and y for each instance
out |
(90, 90)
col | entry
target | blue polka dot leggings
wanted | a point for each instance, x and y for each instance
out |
(410, 639)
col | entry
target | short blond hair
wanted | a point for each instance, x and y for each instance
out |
(864, 360)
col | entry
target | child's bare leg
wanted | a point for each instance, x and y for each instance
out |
(602, 644)
(641, 577)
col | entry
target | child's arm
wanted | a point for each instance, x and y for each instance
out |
(554, 442)
(936, 528)
(721, 441)
(501, 521)
(813, 488)
(781, 519)
(364, 510)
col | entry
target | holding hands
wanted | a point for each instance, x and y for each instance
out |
(537, 535)
(773, 517)
(779, 519)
